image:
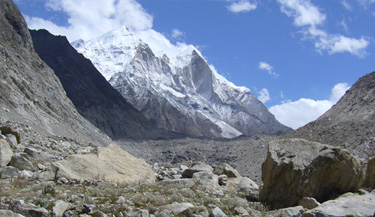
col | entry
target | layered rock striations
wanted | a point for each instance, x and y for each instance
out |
(350, 123)
(94, 98)
(30, 92)
(176, 88)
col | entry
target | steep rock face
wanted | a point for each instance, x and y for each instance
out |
(94, 98)
(195, 99)
(297, 168)
(350, 123)
(30, 93)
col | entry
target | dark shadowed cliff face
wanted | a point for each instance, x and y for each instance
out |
(30, 93)
(94, 98)
(350, 123)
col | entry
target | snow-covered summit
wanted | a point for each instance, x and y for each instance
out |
(173, 85)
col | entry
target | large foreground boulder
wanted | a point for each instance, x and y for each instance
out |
(110, 163)
(297, 168)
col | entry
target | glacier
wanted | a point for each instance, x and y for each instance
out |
(175, 87)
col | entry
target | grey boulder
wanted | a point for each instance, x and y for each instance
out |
(6, 153)
(297, 168)
(348, 204)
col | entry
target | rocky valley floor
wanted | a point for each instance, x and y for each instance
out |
(245, 154)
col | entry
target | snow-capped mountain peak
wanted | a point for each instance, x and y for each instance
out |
(174, 86)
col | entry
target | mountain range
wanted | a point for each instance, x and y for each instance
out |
(94, 98)
(176, 88)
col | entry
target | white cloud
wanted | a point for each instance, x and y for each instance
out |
(309, 17)
(88, 19)
(341, 44)
(264, 95)
(303, 12)
(267, 67)
(296, 114)
(347, 5)
(242, 6)
(176, 34)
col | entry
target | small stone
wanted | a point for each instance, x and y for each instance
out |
(46, 176)
(9, 172)
(86, 209)
(8, 213)
(308, 203)
(121, 200)
(21, 162)
(6, 153)
(41, 166)
(62, 180)
(138, 213)
(223, 179)
(12, 140)
(31, 152)
(178, 208)
(37, 212)
(99, 213)
(217, 212)
(59, 208)
(183, 167)
(230, 172)
(287, 212)
(206, 178)
(241, 211)
(26, 174)
(219, 193)
(200, 167)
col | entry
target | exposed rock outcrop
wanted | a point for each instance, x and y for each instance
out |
(109, 163)
(30, 92)
(297, 168)
(349, 124)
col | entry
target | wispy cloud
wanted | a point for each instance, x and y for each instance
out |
(309, 17)
(264, 95)
(241, 6)
(267, 67)
(346, 5)
(176, 33)
(366, 3)
(88, 19)
(296, 114)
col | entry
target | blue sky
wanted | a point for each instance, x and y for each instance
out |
(297, 56)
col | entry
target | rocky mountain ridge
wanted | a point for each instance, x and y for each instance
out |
(179, 91)
(31, 96)
(350, 123)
